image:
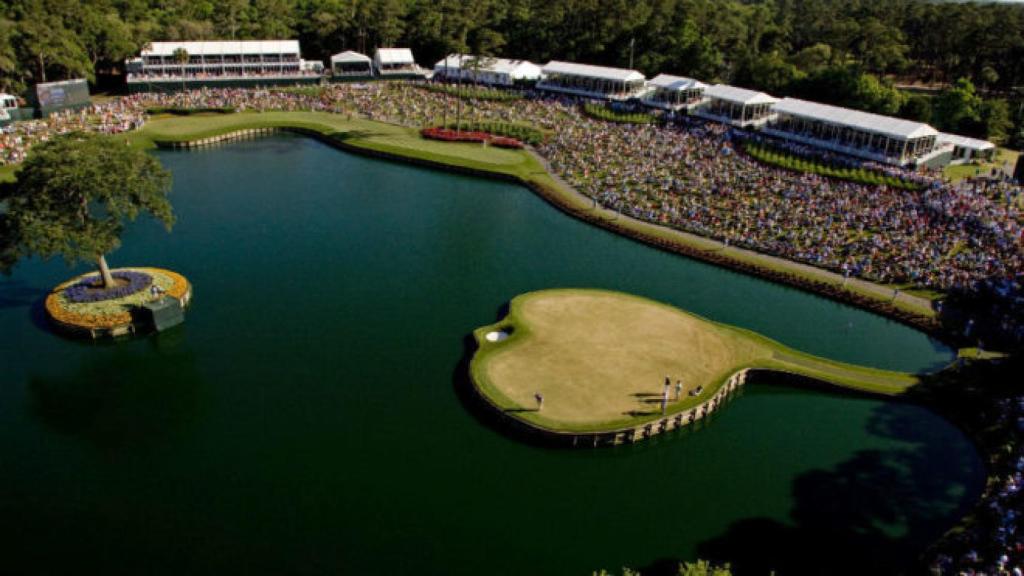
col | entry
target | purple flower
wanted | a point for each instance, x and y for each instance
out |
(90, 289)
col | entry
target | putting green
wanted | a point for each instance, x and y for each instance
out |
(600, 359)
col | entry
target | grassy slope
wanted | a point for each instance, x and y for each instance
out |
(355, 131)
(572, 358)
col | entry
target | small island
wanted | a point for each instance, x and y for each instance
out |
(72, 198)
(589, 367)
(141, 299)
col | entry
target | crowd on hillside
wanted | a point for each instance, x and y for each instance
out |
(114, 117)
(993, 545)
(693, 177)
(688, 175)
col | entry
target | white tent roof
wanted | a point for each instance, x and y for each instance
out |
(964, 141)
(219, 47)
(394, 56)
(876, 123)
(738, 95)
(350, 56)
(669, 82)
(591, 71)
(485, 63)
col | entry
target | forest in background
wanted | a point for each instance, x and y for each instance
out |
(855, 53)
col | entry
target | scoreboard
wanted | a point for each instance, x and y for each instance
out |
(56, 96)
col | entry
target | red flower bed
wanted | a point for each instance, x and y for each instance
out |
(505, 142)
(449, 135)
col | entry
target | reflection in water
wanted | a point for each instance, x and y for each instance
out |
(115, 398)
(863, 516)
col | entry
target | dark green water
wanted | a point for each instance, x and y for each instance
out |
(305, 420)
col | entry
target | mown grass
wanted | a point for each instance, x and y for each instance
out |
(601, 112)
(352, 131)
(780, 159)
(598, 372)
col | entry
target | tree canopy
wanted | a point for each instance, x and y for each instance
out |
(712, 39)
(73, 196)
(846, 52)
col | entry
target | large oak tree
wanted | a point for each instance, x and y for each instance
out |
(73, 196)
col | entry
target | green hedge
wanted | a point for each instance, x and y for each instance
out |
(775, 157)
(526, 134)
(177, 111)
(470, 92)
(601, 112)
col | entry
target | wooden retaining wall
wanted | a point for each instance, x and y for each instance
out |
(631, 435)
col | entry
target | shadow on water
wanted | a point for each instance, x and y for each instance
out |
(115, 399)
(18, 294)
(872, 514)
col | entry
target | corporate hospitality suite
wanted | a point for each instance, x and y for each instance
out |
(869, 137)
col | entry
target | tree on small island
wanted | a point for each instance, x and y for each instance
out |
(73, 196)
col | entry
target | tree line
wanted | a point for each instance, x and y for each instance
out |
(848, 52)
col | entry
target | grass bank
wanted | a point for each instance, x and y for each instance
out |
(351, 132)
(472, 92)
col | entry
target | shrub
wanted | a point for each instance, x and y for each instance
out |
(472, 92)
(178, 111)
(601, 112)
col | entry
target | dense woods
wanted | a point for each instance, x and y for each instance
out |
(849, 52)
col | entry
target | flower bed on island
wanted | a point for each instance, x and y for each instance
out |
(90, 289)
(449, 135)
(81, 306)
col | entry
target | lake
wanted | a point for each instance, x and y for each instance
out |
(306, 419)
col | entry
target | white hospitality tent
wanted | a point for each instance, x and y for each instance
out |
(673, 92)
(351, 63)
(737, 106)
(863, 134)
(218, 58)
(7, 101)
(222, 51)
(592, 81)
(967, 149)
(487, 69)
(390, 61)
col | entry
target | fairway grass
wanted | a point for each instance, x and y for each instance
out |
(352, 131)
(600, 360)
